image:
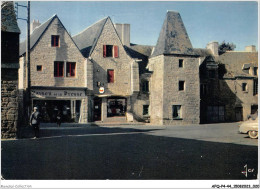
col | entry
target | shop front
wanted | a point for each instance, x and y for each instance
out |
(110, 109)
(71, 105)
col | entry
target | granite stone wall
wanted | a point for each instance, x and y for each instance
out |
(9, 103)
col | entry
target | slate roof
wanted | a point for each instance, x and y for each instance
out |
(87, 39)
(8, 18)
(141, 52)
(173, 38)
(36, 35)
(202, 52)
(236, 61)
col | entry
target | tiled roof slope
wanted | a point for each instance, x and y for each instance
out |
(8, 18)
(35, 36)
(86, 40)
(235, 61)
(173, 38)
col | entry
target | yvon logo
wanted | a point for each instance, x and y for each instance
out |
(247, 170)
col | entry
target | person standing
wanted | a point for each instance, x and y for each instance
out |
(59, 118)
(35, 122)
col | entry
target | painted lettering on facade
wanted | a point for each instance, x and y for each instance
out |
(57, 93)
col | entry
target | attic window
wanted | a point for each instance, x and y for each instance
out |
(255, 70)
(55, 40)
(181, 85)
(110, 51)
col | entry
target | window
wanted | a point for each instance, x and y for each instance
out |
(71, 69)
(181, 85)
(145, 109)
(145, 86)
(110, 76)
(255, 88)
(176, 112)
(110, 51)
(244, 87)
(58, 69)
(255, 70)
(55, 40)
(39, 68)
(180, 63)
(211, 73)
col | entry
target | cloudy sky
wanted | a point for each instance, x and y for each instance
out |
(232, 21)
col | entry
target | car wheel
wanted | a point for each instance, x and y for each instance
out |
(253, 134)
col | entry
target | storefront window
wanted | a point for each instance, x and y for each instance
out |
(116, 107)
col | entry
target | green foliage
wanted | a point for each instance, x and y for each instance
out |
(223, 47)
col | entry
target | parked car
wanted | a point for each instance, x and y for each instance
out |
(250, 127)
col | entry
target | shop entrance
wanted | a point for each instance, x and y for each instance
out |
(116, 106)
(68, 109)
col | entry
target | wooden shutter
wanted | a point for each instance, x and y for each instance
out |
(116, 51)
(110, 76)
(104, 51)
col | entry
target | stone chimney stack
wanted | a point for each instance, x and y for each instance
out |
(123, 31)
(250, 48)
(213, 46)
(34, 25)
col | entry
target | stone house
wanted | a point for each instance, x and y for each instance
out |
(239, 83)
(9, 71)
(175, 92)
(61, 78)
(98, 75)
(115, 73)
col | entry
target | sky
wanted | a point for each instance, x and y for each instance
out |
(205, 21)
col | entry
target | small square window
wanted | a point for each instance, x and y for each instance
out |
(180, 63)
(39, 68)
(244, 86)
(55, 40)
(176, 112)
(181, 85)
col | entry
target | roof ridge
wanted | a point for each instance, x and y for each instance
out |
(55, 15)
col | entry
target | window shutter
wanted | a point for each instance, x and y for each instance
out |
(104, 51)
(116, 51)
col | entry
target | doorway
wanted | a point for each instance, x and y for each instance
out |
(97, 109)
(239, 113)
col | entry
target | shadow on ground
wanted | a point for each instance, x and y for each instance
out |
(135, 156)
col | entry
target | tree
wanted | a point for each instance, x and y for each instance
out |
(223, 47)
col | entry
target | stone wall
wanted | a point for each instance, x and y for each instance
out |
(233, 96)
(45, 55)
(189, 98)
(121, 65)
(156, 65)
(9, 103)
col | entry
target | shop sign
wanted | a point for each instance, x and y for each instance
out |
(58, 93)
(101, 90)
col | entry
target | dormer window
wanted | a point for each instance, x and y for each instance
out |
(55, 40)
(110, 51)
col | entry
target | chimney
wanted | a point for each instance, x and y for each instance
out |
(123, 31)
(34, 25)
(213, 46)
(250, 48)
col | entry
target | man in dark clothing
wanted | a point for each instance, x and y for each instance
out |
(35, 121)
